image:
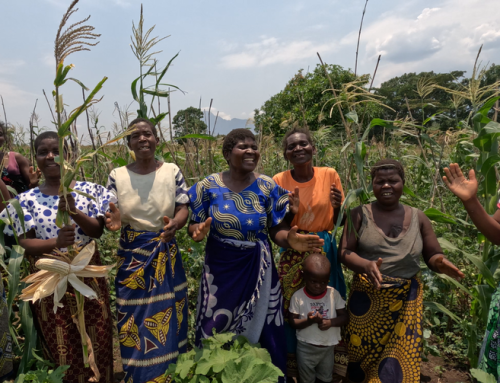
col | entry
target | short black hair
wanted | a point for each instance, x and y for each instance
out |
(304, 131)
(233, 137)
(145, 120)
(317, 261)
(48, 135)
(388, 163)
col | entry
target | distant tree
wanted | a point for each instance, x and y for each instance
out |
(189, 121)
(399, 89)
(302, 102)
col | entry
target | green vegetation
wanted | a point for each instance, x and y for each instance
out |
(222, 360)
(425, 120)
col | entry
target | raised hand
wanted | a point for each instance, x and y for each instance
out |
(169, 229)
(113, 218)
(67, 204)
(304, 242)
(462, 187)
(66, 236)
(294, 201)
(34, 176)
(373, 273)
(202, 230)
(335, 196)
(444, 266)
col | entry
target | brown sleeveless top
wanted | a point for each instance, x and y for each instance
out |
(401, 255)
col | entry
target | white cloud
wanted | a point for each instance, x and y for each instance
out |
(442, 38)
(271, 51)
(13, 96)
(122, 3)
(10, 66)
(214, 111)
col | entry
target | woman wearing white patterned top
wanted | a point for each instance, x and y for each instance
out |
(151, 287)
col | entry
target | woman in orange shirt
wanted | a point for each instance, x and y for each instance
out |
(320, 193)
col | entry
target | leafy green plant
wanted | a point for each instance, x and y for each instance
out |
(44, 372)
(224, 360)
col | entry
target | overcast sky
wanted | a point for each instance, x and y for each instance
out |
(239, 53)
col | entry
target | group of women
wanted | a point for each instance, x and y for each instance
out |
(241, 290)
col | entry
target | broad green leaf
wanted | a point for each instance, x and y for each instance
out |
(11, 190)
(78, 82)
(157, 93)
(218, 360)
(345, 147)
(82, 194)
(158, 118)
(359, 159)
(30, 340)
(483, 269)
(489, 163)
(484, 297)
(487, 106)
(14, 202)
(380, 122)
(438, 216)
(482, 376)
(352, 116)
(250, 370)
(63, 130)
(429, 139)
(16, 259)
(445, 244)
(439, 307)
(165, 70)
(431, 117)
(457, 284)
(134, 89)
(119, 161)
(184, 368)
(484, 140)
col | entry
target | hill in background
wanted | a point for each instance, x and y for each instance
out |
(225, 126)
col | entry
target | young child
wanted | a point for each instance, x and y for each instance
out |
(317, 312)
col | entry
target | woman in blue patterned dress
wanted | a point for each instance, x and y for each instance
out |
(151, 287)
(238, 209)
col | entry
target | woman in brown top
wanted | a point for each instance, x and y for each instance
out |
(385, 303)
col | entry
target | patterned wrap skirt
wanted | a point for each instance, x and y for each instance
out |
(489, 357)
(60, 338)
(290, 274)
(385, 330)
(240, 293)
(151, 303)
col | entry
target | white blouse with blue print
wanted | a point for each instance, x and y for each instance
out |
(40, 210)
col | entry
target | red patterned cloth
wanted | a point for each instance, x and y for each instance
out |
(61, 339)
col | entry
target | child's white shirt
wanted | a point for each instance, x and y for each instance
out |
(326, 304)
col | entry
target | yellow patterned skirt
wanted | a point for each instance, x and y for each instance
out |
(385, 331)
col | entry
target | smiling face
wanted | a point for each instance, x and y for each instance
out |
(244, 156)
(387, 186)
(46, 153)
(142, 141)
(298, 149)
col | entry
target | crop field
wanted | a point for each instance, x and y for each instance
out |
(425, 120)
